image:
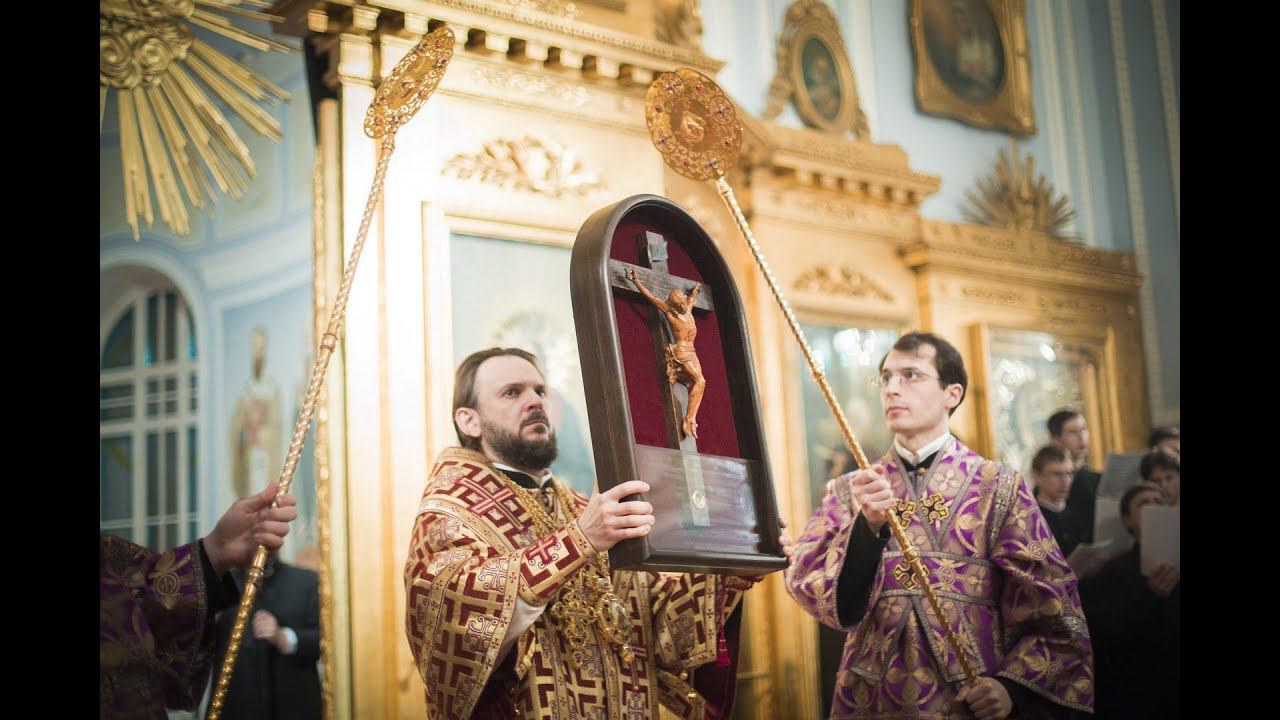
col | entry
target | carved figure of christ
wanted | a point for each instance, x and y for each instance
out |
(681, 360)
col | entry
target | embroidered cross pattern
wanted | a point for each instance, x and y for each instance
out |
(902, 573)
(905, 508)
(491, 502)
(936, 509)
(544, 554)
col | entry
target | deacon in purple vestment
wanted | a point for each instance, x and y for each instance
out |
(1000, 576)
(156, 610)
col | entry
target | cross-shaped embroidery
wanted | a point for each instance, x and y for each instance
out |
(902, 573)
(905, 508)
(935, 507)
(544, 554)
(489, 503)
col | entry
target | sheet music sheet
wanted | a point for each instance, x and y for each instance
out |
(1107, 526)
(1161, 537)
(1121, 473)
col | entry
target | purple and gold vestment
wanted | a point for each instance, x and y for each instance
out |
(156, 635)
(998, 573)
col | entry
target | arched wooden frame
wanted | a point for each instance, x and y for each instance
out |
(612, 430)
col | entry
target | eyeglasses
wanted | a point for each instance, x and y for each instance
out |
(907, 377)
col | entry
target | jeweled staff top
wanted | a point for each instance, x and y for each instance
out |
(695, 127)
(399, 96)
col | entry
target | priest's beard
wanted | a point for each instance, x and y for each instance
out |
(531, 454)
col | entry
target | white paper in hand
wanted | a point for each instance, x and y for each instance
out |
(1108, 527)
(1161, 537)
(1121, 473)
(1087, 559)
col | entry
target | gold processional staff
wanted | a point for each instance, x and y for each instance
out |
(399, 96)
(695, 127)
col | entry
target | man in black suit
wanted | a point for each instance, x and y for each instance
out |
(1051, 471)
(1135, 621)
(1068, 430)
(275, 676)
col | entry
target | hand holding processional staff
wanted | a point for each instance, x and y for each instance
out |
(695, 127)
(400, 95)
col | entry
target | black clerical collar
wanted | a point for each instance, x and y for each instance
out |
(925, 464)
(524, 480)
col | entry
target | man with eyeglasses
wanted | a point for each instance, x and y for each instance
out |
(1004, 585)
(1069, 431)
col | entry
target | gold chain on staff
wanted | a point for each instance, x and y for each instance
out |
(683, 93)
(399, 96)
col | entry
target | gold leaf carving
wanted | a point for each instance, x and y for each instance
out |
(842, 280)
(529, 164)
(1072, 253)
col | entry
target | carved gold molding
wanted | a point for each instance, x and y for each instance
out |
(558, 8)
(330, 428)
(873, 174)
(1081, 306)
(993, 295)
(963, 243)
(528, 164)
(840, 280)
(319, 302)
(567, 93)
(522, 32)
(811, 30)
(809, 210)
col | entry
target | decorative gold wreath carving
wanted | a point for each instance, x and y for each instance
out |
(529, 164)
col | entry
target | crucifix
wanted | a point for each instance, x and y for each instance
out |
(674, 330)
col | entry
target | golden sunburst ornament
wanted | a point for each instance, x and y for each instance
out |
(171, 131)
(1009, 198)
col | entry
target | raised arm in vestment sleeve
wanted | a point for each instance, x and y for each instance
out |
(835, 562)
